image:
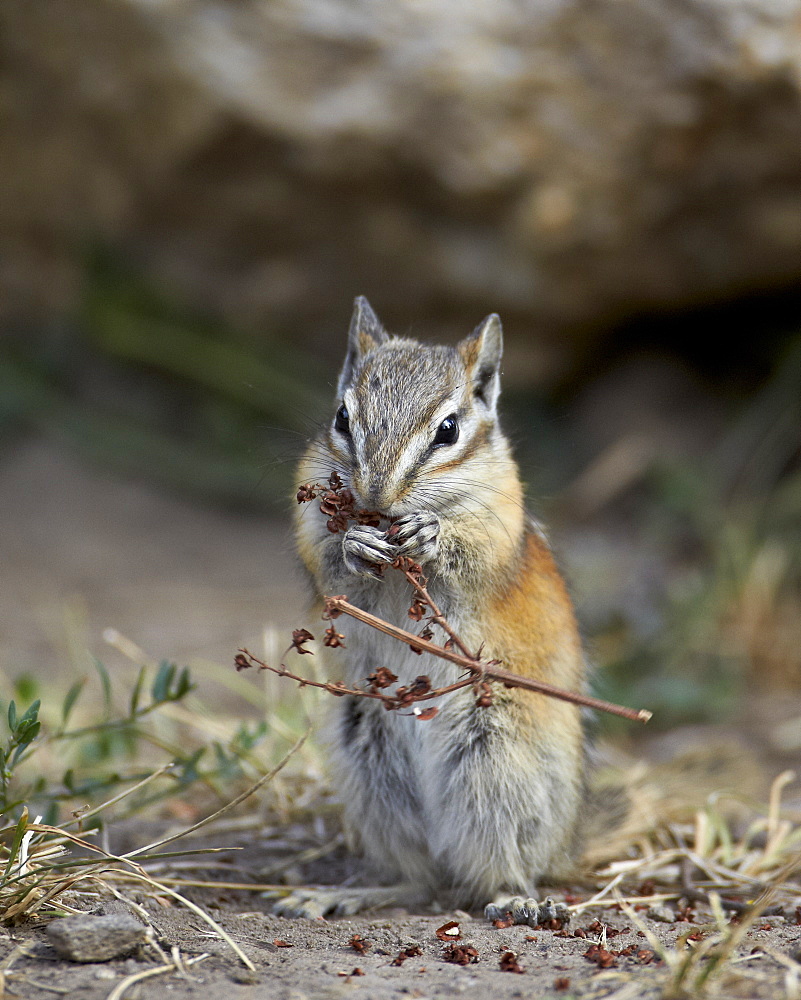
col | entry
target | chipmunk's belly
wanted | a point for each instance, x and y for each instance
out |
(386, 760)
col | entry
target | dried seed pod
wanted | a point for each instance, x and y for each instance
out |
(299, 636)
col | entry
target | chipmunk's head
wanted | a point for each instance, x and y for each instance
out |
(416, 425)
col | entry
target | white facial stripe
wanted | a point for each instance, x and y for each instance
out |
(415, 449)
(349, 399)
(411, 453)
(451, 405)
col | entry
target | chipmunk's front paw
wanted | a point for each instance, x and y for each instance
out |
(366, 550)
(416, 535)
(528, 911)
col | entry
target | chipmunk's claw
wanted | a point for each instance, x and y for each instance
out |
(366, 551)
(417, 535)
(528, 911)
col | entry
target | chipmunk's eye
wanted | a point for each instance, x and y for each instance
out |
(342, 420)
(448, 431)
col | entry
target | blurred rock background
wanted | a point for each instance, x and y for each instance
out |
(193, 191)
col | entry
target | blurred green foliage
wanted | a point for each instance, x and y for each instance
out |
(90, 756)
(729, 531)
(144, 386)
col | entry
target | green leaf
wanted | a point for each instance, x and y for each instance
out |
(71, 698)
(184, 685)
(137, 691)
(245, 740)
(32, 713)
(19, 833)
(162, 682)
(26, 736)
(188, 771)
(26, 688)
(12, 716)
(105, 680)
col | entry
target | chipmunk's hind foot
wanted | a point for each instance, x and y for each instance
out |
(527, 911)
(336, 901)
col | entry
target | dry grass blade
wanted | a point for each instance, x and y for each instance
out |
(706, 857)
(692, 971)
(92, 872)
(792, 977)
(227, 807)
(121, 989)
(20, 951)
(34, 880)
(600, 898)
(82, 817)
(196, 883)
(650, 937)
(199, 911)
(41, 885)
(697, 971)
(708, 961)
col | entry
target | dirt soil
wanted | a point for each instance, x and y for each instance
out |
(601, 953)
(298, 959)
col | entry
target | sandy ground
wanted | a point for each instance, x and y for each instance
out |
(296, 960)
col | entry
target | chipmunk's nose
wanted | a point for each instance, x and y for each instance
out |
(373, 491)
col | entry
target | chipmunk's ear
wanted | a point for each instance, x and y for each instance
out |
(365, 334)
(481, 353)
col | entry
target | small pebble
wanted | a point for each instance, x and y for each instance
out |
(96, 939)
(661, 913)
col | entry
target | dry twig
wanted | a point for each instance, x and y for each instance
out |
(338, 505)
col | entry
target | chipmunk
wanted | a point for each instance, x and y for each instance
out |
(474, 806)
